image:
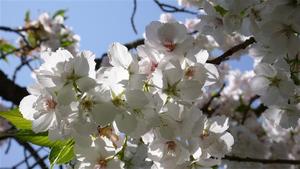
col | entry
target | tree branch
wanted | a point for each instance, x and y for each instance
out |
(263, 161)
(172, 9)
(231, 51)
(248, 108)
(206, 107)
(18, 31)
(132, 16)
(33, 152)
(11, 91)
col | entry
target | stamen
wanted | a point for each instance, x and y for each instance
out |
(169, 45)
(101, 164)
(50, 104)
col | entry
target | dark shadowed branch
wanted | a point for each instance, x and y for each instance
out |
(18, 31)
(11, 91)
(231, 51)
(206, 107)
(172, 9)
(34, 153)
(263, 161)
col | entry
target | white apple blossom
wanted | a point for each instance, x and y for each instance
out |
(163, 106)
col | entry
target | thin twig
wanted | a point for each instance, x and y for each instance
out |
(248, 108)
(132, 16)
(263, 161)
(17, 31)
(206, 107)
(37, 162)
(26, 158)
(231, 51)
(34, 153)
(172, 9)
(8, 146)
(24, 62)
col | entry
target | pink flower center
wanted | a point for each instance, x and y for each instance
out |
(204, 134)
(50, 104)
(171, 145)
(190, 72)
(169, 45)
(153, 66)
(101, 164)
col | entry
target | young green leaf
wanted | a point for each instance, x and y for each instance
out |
(60, 12)
(61, 154)
(27, 16)
(40, 139)
(16, 118)
(220, 10)
(6, 47)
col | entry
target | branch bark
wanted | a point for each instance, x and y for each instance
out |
(172, 9)
(33, 152)
(225, 56)
(263, 161)
(11, 91)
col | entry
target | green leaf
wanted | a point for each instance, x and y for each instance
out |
(16, 118)
(220, 10)
(242, 108)
(6, 47)
(60, 12)
(215, 167)
(40, 139)
(27, 16)
(61, 154)
(66, 43)
(32, 39)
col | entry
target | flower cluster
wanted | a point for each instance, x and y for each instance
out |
(157, 107)
(150, 95)
(48, 32)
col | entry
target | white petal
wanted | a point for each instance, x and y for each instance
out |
(126, 123)
(136, 99)
(104, 113)
(119, 56)
(265, 69)
(259, 85)
(85, 83)
(26, 107)
(44, 122)
(202, 56)
(219, 125)
(213, 74)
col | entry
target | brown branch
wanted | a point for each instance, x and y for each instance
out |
(37, 163)
(225, 56)
(172, 9)
(23, 29)
(129, 46)
(206, 107)
(24, 62)
(263, 161)
(19, 32)
(26, 158)
(259, 109)
(132, 16)
(11, 91)
(34, 153)
(248, 108)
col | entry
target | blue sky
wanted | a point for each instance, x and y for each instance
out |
(98, 22)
